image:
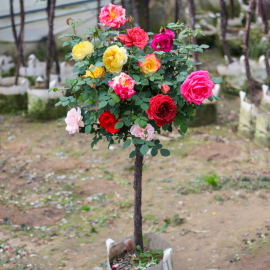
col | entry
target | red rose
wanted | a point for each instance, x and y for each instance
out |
(108, 121)
(135, 37)
(162, 109)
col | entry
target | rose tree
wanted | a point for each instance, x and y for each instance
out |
(129, 86)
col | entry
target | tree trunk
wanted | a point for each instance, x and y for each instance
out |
(264, 16)
(192, 15)
(19, 48)
(53, 44)
(223, 29)
(98, 10)
(246, 50)
(20, 41)
(180, 11)
(232, 8)
(49, 42)
(135, 12)
(147, 17)
(112, 1)
(13, 24)
(138, 200)
(266, 54)
(123, 3)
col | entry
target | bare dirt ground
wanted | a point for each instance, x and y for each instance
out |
(60, 200)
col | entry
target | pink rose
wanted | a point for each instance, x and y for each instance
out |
(123, 86)
(138, 132)
(197, 87)
(163, 41)
(74, 121)
(165, 88)
(113, 16)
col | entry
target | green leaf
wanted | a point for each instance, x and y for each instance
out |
(118, 125)
(126, 143)
(115, 98)
(217, 80)
(132, 154)
(217, 98)
(99, 64)
(58, 103)
(211, 98)
(154, 152)
(189, 63)
(144, 106)
(144, 149)
(88, 129)
(203, 46)
(137, 121)
(142, 123)
(149, 143)
(183, 128)
(102, 104)
(177, 121)
(65, 103)
(165, 152)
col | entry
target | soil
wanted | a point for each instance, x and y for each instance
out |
(72, 198)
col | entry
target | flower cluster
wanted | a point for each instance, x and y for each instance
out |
(130, 86)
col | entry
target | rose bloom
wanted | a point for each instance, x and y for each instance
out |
(162, 109)
(197, 87)
(98, 72)
(150, 65)
(165, 88)
(138, 132)
(114, 58)
(113, 16)
(74, 121)
(123, 86)
(163, 41)
(135, 37)
(82, 49)
(107, 120)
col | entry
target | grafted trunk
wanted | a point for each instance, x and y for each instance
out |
(232, 8)
(49, 42)
(266, 54)
(192, 15)
(135, 12)
(264, 16)
(223, 29)
(246, 50)
(20, 41)
(147, 16)
(138, 200)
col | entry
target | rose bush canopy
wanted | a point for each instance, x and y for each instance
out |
(130, 84)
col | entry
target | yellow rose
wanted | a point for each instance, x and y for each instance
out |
(96, 73)
(82, 49)
(114, 58)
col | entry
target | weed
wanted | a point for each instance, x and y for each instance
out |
(212, 180)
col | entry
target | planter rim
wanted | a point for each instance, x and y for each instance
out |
(14, 89)
(155, 242)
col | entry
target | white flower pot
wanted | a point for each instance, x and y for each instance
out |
(155, 242)
(13, 97)
(41, 104)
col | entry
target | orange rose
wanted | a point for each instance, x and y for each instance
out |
(150, 65)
